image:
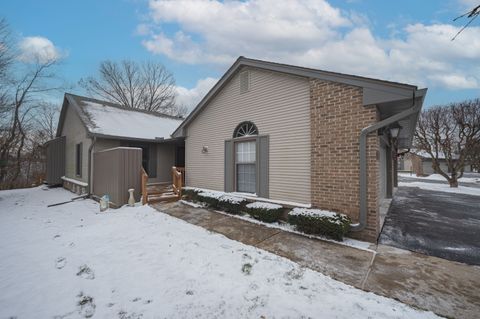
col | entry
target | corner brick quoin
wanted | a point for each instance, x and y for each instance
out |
(337, 117)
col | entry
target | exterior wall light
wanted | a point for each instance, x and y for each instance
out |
(205, 149)
(394, 130)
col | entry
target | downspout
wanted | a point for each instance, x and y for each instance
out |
(416, 107)
(90, 186)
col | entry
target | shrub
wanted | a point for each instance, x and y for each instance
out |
(210, 198)
(265, 212)
(320, 222)
(190, 193)
(231, 204)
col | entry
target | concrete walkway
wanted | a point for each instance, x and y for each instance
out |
(445, 287)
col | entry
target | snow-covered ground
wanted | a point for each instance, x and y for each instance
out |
(430, 183)
(71, 261)
(442, 187)
(438, 177)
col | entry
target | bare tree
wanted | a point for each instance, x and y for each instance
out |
(470, 16)
(23, 84)
(6, 54)
(474, 158)
(148, 86)
(449, 132)
(46, 119)
(23, 99)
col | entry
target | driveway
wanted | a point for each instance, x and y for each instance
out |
(440, 224)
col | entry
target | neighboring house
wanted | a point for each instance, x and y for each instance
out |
(301, 135)
(421, 164)
(88, 126)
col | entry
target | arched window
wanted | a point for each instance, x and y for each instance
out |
(245, 129)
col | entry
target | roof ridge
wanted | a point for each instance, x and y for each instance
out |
(243, 58)
(122, 107)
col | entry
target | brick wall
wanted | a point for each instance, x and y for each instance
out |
(337, 117)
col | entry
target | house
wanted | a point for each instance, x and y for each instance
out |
(421, 164)
(88, 128)
(302, 136)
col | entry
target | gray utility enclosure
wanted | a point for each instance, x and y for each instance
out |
(115, 171)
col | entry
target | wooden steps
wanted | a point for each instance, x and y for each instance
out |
(160, 192)
(163, 192)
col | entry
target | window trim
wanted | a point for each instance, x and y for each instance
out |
(230, 178)
(234, 148)
(235, 163)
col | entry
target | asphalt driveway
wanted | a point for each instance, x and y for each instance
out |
(440, 224)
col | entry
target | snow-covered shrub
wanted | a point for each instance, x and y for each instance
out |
(190, 193)
(210, 198)
(320, 222)
(266, 212)
(231, 204)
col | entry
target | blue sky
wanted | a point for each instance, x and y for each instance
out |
(406, 41)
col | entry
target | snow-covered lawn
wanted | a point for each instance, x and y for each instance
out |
(71, 261)
(443, 188)
(438, 177)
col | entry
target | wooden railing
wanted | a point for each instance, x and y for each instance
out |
(144, 187)
(178, 178)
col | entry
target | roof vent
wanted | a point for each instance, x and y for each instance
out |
(244, 81)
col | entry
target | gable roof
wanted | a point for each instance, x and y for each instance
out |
(110, 120)
(375, 91)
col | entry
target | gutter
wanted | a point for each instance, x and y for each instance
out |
(90, 185)
(416, 107)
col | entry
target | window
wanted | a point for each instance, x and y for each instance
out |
(245, 162)
(149, 158)
(245, 129)
(78, 159)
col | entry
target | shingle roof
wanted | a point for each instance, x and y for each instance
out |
(106, 119)
(375, 91)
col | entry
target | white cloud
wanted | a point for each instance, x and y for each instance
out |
(142, 29)
(468, 4)
(314, 33)
(39, 49)
(191, 97)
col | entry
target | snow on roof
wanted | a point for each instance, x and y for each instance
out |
(106, 119)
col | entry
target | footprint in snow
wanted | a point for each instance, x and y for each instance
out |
(86, 272)
(125, 315)
(295, 273)
(60, 262)
(85, 305)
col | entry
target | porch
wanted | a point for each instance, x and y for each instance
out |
(163, 191)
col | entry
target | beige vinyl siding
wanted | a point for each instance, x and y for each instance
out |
(105, 144)
(278, 104)
(75, 133)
